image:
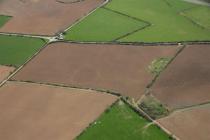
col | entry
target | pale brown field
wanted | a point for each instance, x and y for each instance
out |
(40, 112)
(118, 68)
(186, 81)
(5, 71)
(192, 124)
(43, 17)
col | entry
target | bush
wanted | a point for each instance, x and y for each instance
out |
(153, 107)
(158, 65)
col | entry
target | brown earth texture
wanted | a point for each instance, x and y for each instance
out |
(43, 17)
(117, 68)
(5, 72)
(191, 124)
(40, 112)
(186, 81)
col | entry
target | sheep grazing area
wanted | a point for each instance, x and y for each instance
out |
(116, 68)
(159, 21)
(189, 124)
(43, 112)
(186, 81)
(43, 17)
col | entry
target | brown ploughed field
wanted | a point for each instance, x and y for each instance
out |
(41, 112)
(43, 17)
(5, 71)
(118, 68)
(186, 81)
(191, 124)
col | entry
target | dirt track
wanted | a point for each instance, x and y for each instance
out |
(187, 80)
(189, 124)
(40, 112)
(43, 17)
(122, 69)
(5, 71)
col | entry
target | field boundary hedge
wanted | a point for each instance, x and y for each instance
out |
(104, 91)
(74, 1)
(5, 16)
(25, 35)
(134, 18)
(140, 44)
(192, 21)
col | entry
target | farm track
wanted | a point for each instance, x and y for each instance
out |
(19, 68)
(192, 107)
(156, 77)
(72, 87)
(201, 2)
(55, 38)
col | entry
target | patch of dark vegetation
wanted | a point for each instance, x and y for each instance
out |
(153, 107)
(158, 65)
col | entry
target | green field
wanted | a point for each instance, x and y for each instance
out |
(168, 24)
(104, 25)
(180, 5)
(120, 122)
(197, 14)
(16, 50)
(3, 20)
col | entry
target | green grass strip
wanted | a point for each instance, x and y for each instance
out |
(120, 122)
(4, 20)
(17, 50)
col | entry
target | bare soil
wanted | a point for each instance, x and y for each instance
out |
(5, 71)
(189, 124)
(40, 112)
(186, 81)
(118, 68)
(43, 17)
